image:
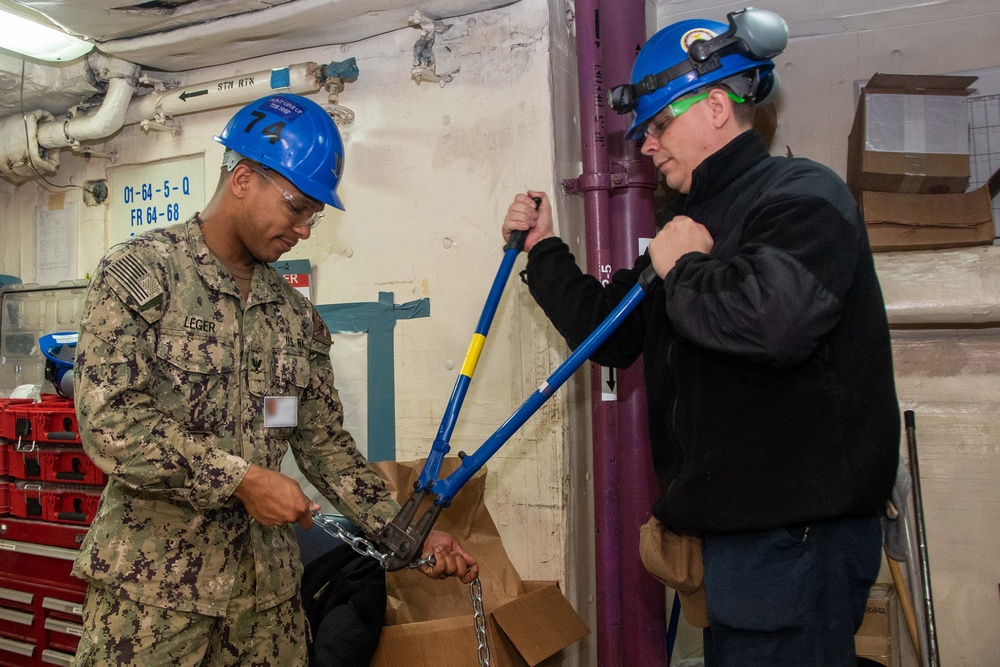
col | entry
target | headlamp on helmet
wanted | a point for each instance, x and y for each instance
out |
(700, 53)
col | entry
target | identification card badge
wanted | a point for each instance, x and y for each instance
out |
(281, 411)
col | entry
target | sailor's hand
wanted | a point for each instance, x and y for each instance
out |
(450, 559)
(274, 499)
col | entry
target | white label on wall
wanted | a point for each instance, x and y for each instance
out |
(157, 194)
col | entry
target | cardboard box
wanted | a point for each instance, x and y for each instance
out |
(910, 135)
(876, 638)
(431, 622)
(527, 631)
(921, 222)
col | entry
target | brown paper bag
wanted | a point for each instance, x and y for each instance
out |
(412, 596)
(675, 560)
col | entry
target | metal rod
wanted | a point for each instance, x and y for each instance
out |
(918, 511)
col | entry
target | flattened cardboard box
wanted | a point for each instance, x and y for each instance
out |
(910, 135)
(922, 222)
(431, 622)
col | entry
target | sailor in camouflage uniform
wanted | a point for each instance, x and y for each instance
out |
(198, 366)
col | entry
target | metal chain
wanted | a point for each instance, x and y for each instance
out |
(479, 618)
(360, 544)
(366, 548)
(356, 542)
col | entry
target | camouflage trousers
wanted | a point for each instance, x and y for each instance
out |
(123, 632)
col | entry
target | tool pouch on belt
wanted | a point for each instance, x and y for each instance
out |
(675, 560)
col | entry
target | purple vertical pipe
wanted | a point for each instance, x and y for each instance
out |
(594, 149)
(632, 213)
(618, 184)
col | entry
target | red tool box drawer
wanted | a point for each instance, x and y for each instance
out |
(62, 635)
(48, 463)
(17, 624)
(6, 484)
(45, 533)
(4, 446)
(54, 502)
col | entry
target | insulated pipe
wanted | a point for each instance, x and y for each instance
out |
(593, 135)
(108, 119)
(237, 89)
(633, 178)
(27, 138)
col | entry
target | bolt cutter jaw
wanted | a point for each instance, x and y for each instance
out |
(403, 538)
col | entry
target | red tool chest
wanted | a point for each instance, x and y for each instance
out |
(49, 487)
(41, 606)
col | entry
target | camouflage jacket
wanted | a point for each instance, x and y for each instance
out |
(171, 371)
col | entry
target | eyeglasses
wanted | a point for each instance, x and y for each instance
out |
(304, 216)
(660, 121)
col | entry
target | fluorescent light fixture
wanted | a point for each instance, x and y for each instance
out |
(38, 41)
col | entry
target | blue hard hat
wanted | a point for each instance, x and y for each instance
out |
(293, 136)
(670, 64)
(59, 350)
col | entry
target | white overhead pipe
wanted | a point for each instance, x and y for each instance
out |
(157, 107)
(29, 142)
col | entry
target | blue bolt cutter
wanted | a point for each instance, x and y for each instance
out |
(403, 537)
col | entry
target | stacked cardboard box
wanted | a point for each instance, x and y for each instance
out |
(908, 164)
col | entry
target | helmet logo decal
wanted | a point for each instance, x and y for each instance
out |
(695, 35)
(338, 166)
(281, 106)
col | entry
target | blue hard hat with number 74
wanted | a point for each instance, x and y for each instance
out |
(294, 136)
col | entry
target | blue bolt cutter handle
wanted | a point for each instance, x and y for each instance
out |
(403, 537)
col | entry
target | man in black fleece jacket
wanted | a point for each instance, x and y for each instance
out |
(773, 418)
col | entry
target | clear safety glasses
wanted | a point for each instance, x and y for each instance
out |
(302, 215)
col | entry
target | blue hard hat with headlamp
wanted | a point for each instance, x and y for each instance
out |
(59, 350)
(690, 55)
(295, 137)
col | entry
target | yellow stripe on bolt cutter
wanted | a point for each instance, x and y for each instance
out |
(472, 356)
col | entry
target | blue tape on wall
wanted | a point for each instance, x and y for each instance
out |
(378, 320)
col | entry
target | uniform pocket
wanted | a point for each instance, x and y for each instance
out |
(198, 379)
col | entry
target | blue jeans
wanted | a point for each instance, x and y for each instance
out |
(790, 597)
